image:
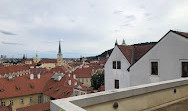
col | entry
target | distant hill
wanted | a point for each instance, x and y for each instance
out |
(101, 55)
(110, 50)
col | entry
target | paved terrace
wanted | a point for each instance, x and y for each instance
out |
(155, 96)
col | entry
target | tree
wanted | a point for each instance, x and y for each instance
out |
(97, 80)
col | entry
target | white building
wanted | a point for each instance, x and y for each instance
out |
(146, 63)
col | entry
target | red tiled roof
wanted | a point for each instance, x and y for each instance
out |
(6, 108)
(135, 52)
(140, 51)
(37, 107)
(61, 89)
(48, 61)
(13, 68)
(127, 51)
(102, 88)
(22, 86)
(59, 69)
(83, 72)
(185, 34)
(38, 70)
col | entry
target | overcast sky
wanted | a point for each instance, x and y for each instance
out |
(85, 27)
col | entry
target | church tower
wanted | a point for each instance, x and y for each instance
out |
(123, 43)
(59, 56)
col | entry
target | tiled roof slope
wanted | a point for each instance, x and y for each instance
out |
(37, 107)
(61, 89)
(48, 61)
(13, 68)
(21, 86)
(127, 51)
(83, 72)
(185, 34)
(133, 53)
(6, 108)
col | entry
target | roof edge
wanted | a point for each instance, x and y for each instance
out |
(128, 69)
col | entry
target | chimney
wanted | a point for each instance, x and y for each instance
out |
(74, 76)
(38, 76)
(75, 83)
(31, 76)
(59, 78)
(69, 82)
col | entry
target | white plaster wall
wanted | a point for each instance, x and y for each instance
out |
(120, 74)
(169, 53)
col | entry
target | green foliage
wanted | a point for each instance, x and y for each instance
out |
(97, 80)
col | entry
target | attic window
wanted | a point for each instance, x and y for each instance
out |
(56, 90)
(32, 86)
(50, 88)
(68, 93)
(17, 88)
(1, 90)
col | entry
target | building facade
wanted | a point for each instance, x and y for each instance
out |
(147, 63)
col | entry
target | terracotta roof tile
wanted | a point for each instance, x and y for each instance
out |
(48, 61)
(61, 89)
(83, 72)
(185, 34)
(6, 108)
(22, 86)
(133, 53)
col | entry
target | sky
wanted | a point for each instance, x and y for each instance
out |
(84, 27)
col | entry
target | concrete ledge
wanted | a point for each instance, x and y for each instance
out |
(101, 97)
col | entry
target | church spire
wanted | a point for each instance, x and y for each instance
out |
(116, 42)
(59, 52)
(123, 43)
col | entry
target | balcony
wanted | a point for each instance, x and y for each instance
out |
(152, 96)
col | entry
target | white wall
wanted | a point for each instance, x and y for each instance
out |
(169, 52)
(120, 74)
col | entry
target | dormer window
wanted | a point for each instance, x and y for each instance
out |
(75, 83)
(17, 88)
(32, 86)
(56, 90)
(1, 90)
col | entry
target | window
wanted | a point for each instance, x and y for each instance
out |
(86, 80)
(3, 103)
(11, 102)
(82, 80)
(114, 65)
(22, 101)
(31, 99)
(184, 69)
(118, 64)
(154, 68)
(117, 84)
(39, 99)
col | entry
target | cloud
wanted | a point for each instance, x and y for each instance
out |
(130, 18)
(87, 27)
(147, 14)
(7, 33)
(118, 12)
(10, 43)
